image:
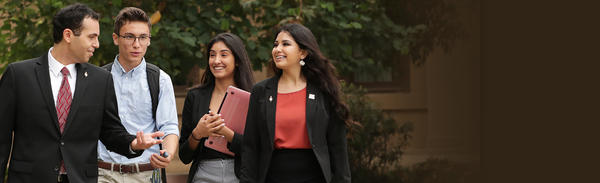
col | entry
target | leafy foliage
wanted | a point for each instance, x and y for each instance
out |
(441, 18)
(374, 147)
(354, 34)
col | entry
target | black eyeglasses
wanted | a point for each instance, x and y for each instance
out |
(143, 39)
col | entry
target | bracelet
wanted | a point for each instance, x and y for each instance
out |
(194, 137)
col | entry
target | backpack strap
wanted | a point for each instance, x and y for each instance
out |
(153, 76)
(108, 66)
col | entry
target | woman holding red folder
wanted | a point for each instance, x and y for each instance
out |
(228, 65)
(296, 123)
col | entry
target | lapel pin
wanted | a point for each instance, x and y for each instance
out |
(270, 98)
(85, 74)
(311, 96)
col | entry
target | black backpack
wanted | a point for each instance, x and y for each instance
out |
(152, 75)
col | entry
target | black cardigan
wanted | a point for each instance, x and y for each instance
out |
(326, 132)
(196, 105)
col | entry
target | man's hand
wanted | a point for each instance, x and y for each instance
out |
(158, 161)
(145, 141)
(162, 160)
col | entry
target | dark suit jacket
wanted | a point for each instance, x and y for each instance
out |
(326, 132)
(28, 110)
(196, 105)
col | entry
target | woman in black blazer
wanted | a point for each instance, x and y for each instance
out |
(287, 143)
(228, 64)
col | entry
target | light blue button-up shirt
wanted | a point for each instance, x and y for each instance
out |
(135, 109)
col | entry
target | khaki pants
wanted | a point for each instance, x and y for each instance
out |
(107, 176)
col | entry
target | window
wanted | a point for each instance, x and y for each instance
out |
(391, 79)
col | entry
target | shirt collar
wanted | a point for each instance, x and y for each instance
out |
(56, 66)
(135, 70)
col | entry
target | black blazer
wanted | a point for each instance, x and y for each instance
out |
(326, 132)
(195, 106)
(28, 110)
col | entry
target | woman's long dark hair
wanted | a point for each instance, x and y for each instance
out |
(318, 69)
(242, 74)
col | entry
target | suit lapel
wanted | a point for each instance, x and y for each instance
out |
(43, 78)
(311, 109)
(80, 86)
(204, 101)
(271, 103)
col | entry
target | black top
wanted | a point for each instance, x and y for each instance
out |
(196, 105)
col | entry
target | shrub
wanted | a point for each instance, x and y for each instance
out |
(376, 144)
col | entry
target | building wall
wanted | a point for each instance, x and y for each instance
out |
(444, 98)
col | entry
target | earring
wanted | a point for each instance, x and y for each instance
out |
(302, 63)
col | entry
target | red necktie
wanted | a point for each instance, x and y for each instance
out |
(63, 105)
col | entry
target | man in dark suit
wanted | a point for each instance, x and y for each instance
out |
(57, 106)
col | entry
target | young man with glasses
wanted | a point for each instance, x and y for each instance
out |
(138, 108)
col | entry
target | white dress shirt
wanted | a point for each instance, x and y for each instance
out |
(56, 76)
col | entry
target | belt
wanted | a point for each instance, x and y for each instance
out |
(62, 178)
(131, 168)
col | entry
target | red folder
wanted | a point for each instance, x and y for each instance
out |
(233, 110)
